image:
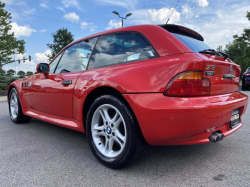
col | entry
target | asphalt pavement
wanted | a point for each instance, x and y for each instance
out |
(42, 154)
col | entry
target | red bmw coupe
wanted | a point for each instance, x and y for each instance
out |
(133, 86)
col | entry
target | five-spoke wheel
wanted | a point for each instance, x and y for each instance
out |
(108, 130)
(113, 133)
(15, 109)
(13, 105)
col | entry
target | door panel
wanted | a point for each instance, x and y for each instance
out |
(51, 96)
(54, 94)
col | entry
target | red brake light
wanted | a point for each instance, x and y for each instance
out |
(188, 84)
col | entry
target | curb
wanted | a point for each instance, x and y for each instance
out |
(3, 98)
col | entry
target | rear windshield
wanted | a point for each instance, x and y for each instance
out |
(193, 44)
(248, 71)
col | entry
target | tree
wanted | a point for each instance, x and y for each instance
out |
(2, 72)
(21, 74)
(219, 49)
(11, 72)
(9, 45)
(61, 38)
(28, 73)
(239, 48)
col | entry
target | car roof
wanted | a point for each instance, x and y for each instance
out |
(154, 33)
(122, 29)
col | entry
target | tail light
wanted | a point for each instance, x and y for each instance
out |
(188, 84)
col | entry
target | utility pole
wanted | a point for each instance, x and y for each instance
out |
(129, 14)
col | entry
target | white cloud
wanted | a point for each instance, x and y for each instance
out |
(229, 21)
(161, 15)
(186, 10)
(71, 3)
(72, 16)
(31, 11)
(8, 2)
(21, 30)
(153, 16)
(114, 24)
(60, 8)
(128, 4)
(44, 5)
(202, 3)
(90, 26)
(43, 30)
(41, 57)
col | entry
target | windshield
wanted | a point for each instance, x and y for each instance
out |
(195, 45)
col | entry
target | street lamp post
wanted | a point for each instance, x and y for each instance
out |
(129, 14)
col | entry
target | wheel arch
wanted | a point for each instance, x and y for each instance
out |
(104, 90)
(10, 87)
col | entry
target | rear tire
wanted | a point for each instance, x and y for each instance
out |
(113, 134)
(15, 109)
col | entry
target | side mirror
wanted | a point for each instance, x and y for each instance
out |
(43, 68)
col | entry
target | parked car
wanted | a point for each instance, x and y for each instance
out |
(246, 80)
(133, 86)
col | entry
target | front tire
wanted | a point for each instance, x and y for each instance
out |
(15, 109)
(113, 134)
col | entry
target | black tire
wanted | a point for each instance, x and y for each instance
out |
(20, 117)
(134, 146)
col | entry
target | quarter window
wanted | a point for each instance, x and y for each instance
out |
(76, 57)
(121, 48)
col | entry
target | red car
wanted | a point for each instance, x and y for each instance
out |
(133, 86)
(246, 80)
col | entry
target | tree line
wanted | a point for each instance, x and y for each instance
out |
(239, 49)
(20, 74)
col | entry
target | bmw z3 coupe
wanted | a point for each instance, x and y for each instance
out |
(132, 86)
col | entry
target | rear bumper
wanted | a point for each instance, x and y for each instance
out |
(177, 121)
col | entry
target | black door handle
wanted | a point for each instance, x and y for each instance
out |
(228, 76)
(67, 82)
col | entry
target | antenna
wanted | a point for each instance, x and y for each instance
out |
(173, 11)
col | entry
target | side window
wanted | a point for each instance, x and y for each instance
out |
(53, 64)
(76, 57)
(121, 48)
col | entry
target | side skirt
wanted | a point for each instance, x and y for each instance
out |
(57, 120)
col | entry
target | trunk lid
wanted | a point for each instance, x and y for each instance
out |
(224, 74)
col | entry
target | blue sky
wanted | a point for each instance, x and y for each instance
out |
(34, 21)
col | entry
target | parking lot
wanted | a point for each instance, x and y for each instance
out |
(42, 154)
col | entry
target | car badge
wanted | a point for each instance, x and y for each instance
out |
(210, 68)
(231, 68)
(108, 130)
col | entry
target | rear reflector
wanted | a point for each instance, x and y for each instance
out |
(188, 84)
